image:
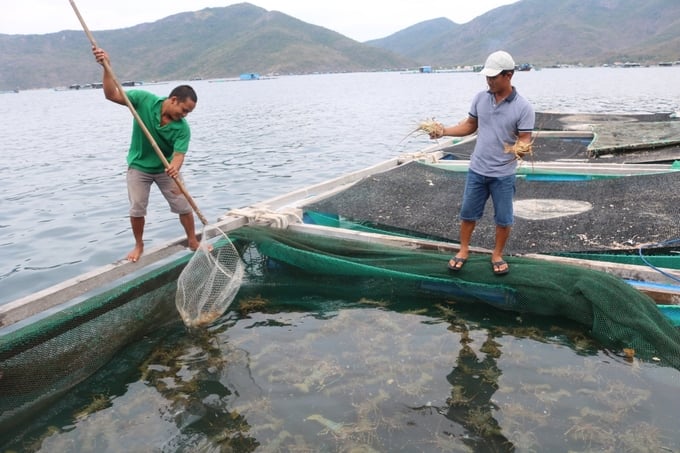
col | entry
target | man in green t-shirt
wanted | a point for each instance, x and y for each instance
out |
(164, 118)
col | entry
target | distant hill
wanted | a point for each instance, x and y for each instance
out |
(225, 42)
(417, 40)
(211, 43)
(549, 32)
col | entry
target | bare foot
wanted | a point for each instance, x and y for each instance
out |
(195, 244)
(135, 253)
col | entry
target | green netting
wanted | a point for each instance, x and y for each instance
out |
(45, 357)
(616, 314)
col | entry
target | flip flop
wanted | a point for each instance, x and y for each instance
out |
(457, 263)
(495, 266)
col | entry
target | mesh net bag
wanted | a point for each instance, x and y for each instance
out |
(209, 282)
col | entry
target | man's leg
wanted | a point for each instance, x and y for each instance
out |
(475, 195)
(179, 205)
(502, 194)
(466, 229)
(138, 185)
(502, 235)
(187, 221)
(137, 224)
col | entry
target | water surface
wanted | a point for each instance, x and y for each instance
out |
(300, 364)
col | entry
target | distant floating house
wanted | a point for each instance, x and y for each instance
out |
(249, 76)
(425, 69)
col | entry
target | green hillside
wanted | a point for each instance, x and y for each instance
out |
(225, 42)
(549, 32)
(211, 43)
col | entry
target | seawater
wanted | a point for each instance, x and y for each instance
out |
(64, 203)
(314, 368)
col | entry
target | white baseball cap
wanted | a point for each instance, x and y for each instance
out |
(497, 62)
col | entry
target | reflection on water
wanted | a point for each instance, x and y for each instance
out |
(301, 364)
(293, 369)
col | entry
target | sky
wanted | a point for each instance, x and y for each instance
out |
(360, 20)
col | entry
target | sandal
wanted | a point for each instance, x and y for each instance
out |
(497, 265)
(456, 263)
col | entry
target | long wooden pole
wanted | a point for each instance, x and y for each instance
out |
(148, 135)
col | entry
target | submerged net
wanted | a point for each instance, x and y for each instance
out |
(43, 358)
(615, 313)
(209, 282)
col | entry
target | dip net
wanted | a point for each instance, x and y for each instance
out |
(210, 281)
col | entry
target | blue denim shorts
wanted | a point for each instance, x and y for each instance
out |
(479, 188)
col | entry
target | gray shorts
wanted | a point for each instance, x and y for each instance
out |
(139, 187)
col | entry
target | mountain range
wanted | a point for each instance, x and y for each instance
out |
(225, 42)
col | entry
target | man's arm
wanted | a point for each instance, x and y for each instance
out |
(175, 164)
(466, 127)
(524, 137)
(109, 85)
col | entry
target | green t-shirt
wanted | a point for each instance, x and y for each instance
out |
(172, 137)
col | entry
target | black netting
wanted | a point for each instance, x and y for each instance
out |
(615, 213)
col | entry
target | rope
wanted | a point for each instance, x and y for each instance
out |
(660, 244)
(422, 155)
(275, 219)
